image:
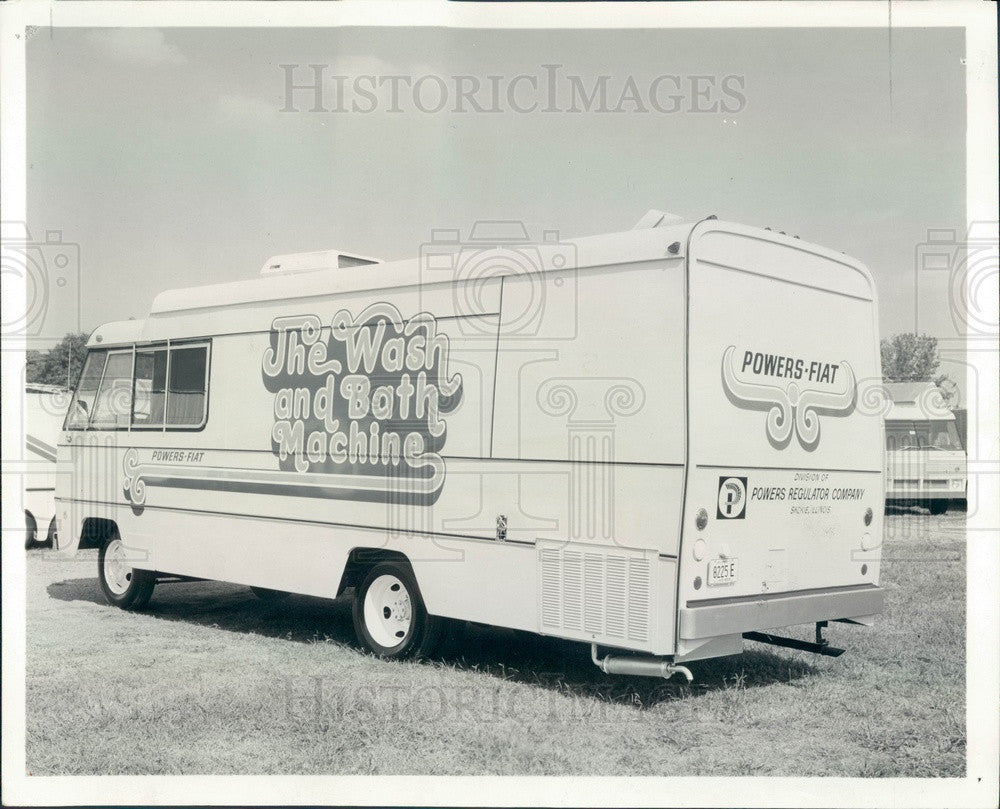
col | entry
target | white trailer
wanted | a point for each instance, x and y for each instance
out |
(925, 461)
(44, 413)
(645, 441)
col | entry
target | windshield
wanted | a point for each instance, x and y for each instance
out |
(86, 391)
(922, 435)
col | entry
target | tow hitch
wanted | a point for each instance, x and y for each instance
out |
(821, 646)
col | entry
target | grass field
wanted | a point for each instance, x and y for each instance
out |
(211, 680)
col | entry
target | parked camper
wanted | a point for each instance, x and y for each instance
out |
(44, 412)
(925, 458)
(645, 441)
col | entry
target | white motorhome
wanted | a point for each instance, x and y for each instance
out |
(646, 441)
(44, 413)
(925, 460)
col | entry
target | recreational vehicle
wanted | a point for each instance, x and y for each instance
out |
(925, 458)
(647, 441)
(44, 412)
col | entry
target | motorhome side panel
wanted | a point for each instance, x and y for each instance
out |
(790, 489)
(606, 403)
(247, 497)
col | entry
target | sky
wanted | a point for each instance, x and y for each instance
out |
(166, 156)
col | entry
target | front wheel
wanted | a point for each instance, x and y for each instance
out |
(123, 585)
(389, 615)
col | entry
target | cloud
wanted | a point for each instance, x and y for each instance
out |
(145, 45)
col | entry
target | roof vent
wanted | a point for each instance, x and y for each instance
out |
(310, 262)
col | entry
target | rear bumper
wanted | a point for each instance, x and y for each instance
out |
(731, 616)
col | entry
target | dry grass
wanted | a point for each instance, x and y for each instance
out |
(211, 680)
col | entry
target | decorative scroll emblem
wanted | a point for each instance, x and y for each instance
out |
(135, 486)
(791, 407)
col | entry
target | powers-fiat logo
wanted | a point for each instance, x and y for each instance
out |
(794, 391)
(732, 498)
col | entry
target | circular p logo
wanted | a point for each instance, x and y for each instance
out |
(732, 498)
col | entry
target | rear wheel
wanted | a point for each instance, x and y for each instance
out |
(123, 585)
(389, 615)
(938, 506)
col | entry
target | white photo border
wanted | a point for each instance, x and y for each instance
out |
(978, 788)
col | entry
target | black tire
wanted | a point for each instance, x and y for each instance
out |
(30, 531)
(938, 507)
(418, 636)
(270, 596)
(131, 589)
(52, 537)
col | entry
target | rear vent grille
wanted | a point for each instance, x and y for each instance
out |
(595, 593)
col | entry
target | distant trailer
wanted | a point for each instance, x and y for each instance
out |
(44, 411)
(645, 441)
(925, 457)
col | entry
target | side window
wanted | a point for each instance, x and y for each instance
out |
(86, 391)
(114, 399)
(150, 388)
(187, 386)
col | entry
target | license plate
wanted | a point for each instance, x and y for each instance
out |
(721, 571)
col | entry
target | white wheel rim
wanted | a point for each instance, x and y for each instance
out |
(117, 570)
(388, 612)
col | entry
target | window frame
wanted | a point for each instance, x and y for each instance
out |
(147, 428)
(189, 428)
(134, 349)
(67, 426)
(100, 388)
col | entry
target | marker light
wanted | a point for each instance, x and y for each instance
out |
(868, 516)
(702, 519)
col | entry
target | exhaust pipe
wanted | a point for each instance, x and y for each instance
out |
(641, 666)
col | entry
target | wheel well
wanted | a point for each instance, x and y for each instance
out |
(95, 531)
(360, 560)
